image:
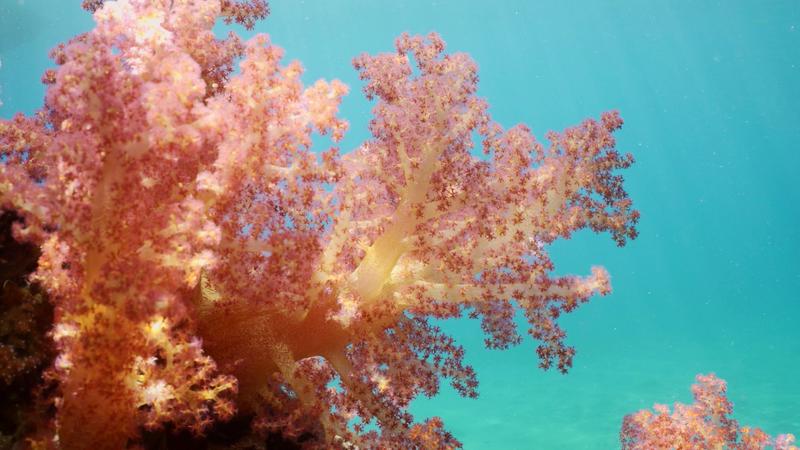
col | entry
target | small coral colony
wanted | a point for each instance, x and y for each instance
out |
(182, 270)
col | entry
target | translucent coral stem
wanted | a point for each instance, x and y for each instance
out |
(381, 257)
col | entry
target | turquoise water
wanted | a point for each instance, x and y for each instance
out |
(709, 92)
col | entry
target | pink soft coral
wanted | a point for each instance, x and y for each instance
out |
(704, 425)
(196, 256)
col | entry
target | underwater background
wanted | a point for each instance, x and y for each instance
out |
(709, 91)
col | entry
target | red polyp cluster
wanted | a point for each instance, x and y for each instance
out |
(704, 425)
(201, 268)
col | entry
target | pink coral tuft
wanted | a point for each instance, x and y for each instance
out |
(705, 424)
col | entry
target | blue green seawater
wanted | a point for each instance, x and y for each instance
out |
(709, 92)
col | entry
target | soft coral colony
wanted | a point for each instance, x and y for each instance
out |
(202, 269)
(704, 425)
